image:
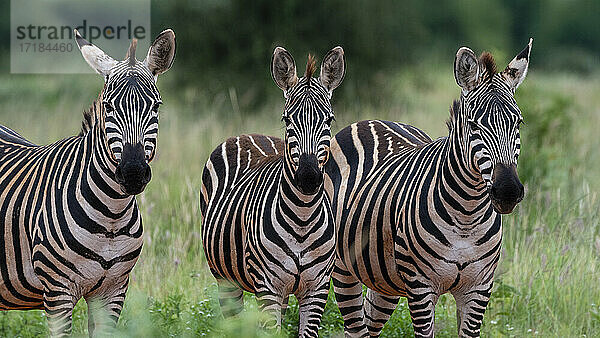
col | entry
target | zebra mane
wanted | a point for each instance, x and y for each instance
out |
(91, 115)
(453, 111)
(131, 52)
(311, 66)
(487, 60)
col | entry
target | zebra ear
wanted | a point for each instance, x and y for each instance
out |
(283, 69)
(466, 69)
(333, 69)
(94, 56)
(516, 70)
(161, 53)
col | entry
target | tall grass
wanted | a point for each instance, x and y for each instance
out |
(548, 282)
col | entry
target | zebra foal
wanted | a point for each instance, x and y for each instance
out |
(267, 225)
(417, 217)
(70, 224)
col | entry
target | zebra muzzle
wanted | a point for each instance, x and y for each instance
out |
(308, 176)
(133, 172)
(507, 190)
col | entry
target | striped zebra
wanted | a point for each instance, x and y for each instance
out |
(71, 226)
(417, 217)
(267, 224)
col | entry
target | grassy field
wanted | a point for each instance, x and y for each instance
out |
(548, 282)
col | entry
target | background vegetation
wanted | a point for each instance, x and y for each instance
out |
(399, 58)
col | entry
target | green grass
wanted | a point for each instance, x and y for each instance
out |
(548, 281)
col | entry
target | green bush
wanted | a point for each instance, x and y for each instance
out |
(545, 135)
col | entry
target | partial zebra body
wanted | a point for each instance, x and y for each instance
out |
(393, 235)
(255, 234)
(417, 217)
(267, 223)
(66, 227)
(70, 225)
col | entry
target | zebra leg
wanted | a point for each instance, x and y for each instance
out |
(59, 305)
(231, 298)
(103, 315)
(470, 307)
(422, 311)
(270, 302)
(349, 297)
(378, 309)
(104, 308)
(284, 306)
(311, 307)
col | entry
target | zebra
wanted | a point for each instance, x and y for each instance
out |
(267, 224)
(71, 227)
(417, 217)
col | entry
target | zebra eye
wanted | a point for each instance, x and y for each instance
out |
(156, 106)
(286, 119)
(108, 107)
(330, 119)
(473, 125)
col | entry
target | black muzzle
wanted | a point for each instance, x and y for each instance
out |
(506, 191)
(133, 172)
(309, 177)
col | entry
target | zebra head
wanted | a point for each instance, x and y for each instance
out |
(490, 120)
(307, 114)
(130, 102)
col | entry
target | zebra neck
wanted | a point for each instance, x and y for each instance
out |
(303, 210)
(459, 187)
(100, 177)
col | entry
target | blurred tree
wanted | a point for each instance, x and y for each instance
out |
(225, 43)
(235, 37)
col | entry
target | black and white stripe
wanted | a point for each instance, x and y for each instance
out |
(69, 230)
(417, 217)
(267, 224)
(132, 89)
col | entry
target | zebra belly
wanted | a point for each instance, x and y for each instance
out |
(371, 259)
(289, 270)
(459, 268)
(20, 289)
(315, 270)
(282, 275)
(295, 272)
(19, 286)
(106, 272)
(284, 258)
(366, 249)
